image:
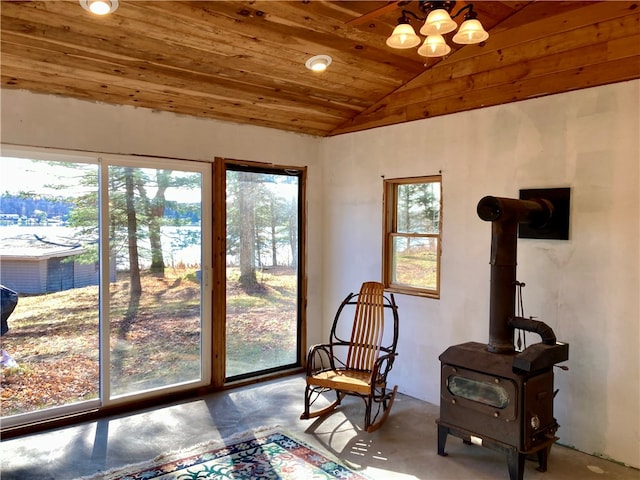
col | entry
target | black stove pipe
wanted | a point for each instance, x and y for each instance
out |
(505, 214)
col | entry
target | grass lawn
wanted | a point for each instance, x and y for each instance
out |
(54, 338)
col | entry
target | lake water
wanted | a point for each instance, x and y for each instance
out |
(175, 240)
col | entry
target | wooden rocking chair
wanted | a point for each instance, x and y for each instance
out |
(358, 366)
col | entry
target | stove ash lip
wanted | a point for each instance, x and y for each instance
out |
(534, 359)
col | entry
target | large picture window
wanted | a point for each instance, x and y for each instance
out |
(412, 236)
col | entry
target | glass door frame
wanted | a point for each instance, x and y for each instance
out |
(53, 155)
(218, 366)
(206, 267)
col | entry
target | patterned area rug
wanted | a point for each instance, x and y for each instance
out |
(265, 456)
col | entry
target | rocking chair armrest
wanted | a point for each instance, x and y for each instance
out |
(316, 351)
(382, 367)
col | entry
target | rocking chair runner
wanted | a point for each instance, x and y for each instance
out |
(358, 366)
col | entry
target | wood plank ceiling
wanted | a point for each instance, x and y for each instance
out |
(243, 61)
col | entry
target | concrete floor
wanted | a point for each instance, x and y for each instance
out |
(404, 448)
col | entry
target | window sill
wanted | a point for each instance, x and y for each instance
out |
(413, 292)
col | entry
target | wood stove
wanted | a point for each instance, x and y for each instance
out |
(493, 395)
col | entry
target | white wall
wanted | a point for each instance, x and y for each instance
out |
(586, 288)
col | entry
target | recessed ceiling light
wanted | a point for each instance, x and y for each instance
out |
(318, 63)
(99, 7)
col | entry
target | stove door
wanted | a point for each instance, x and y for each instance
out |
(488, 394)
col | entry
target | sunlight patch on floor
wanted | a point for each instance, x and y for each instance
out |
(387, 474)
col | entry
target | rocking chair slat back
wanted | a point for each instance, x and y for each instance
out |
(368, 327)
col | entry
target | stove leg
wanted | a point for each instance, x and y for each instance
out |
(516, 460)
(442, 440)
(543, 457)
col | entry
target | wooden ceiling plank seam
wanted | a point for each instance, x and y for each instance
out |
(624, 47)
(575, 79)
(502, 76)
(375, 14)
(535, 11)
(519, 72)
(344, 10)
(495, 14)
(264, 72)
(312, 15)
(336, 100)
(575, 38)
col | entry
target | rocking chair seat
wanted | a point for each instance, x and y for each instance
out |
(351, 380)
(358, 366)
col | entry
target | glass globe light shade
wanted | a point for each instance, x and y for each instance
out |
(471, 31)
(438, 23)
(403, 36)
(434, 46)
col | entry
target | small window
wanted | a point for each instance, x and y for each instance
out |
(412, 236)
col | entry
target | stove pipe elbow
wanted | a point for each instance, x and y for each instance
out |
(535, 326)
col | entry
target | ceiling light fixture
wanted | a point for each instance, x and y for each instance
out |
(318, 63)
(100, 7)
(438, 22)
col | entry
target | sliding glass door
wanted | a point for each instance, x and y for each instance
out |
(110, 262)
(157, 337)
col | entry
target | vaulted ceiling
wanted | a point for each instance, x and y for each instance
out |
(244, 61)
